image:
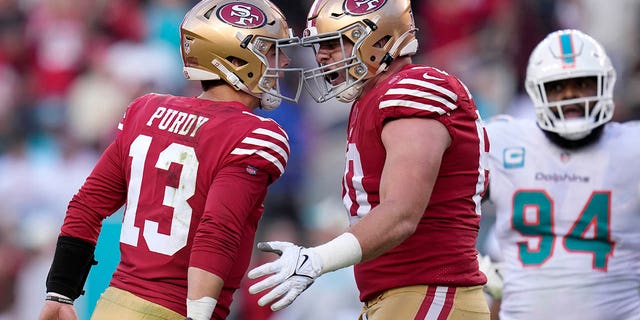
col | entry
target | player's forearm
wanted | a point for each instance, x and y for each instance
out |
(369, 238)
(203, 284)
(203, 291)
(385, 227)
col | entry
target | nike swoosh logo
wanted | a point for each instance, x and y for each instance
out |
(428, 77)
(305, 258)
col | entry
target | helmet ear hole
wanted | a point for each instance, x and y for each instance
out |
(382, 42)
(209, 13)
(236, 61)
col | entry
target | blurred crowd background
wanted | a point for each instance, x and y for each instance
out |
(68, 70)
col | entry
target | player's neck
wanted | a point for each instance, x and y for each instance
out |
(227, 93)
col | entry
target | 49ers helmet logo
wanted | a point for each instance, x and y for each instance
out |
(362, 7)
(243, 15)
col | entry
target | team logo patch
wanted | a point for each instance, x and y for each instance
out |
(362, 7)
(513, 157)
(243, 15)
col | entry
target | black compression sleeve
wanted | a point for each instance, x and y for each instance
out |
(71, 264)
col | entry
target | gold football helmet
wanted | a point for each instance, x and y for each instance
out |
(380, 31)
(214, 33)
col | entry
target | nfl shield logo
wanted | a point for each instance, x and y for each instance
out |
(251, 170)
(187, 46)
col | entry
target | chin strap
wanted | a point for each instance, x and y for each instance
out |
(353, 92)
(350, 94)
(268, 101)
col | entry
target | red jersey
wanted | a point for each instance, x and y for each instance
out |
(442, 251)
(193, 174)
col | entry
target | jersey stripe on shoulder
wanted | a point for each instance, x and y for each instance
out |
(281, 137)
(267, 144)
(426, 84)
(419, 94)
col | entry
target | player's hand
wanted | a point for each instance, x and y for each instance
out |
(290, 275)
(493, 271)
(57, 311)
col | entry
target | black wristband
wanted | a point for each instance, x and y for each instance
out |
(59, 299)
(71, 264)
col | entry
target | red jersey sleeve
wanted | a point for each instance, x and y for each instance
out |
(419, 92)
(234, 201)
(233, 208)
(103, 193)
(265, 147)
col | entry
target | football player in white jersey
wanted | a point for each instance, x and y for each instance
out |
(567, 191)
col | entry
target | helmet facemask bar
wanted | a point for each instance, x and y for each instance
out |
(317, 80)
(598, 109)
(277, 82)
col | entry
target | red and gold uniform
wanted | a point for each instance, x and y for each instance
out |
(442, 250)
(193, 175)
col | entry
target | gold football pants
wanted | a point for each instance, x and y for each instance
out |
(119, 304)
(427, 303)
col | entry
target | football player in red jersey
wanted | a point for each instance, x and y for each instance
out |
(192, 172)
(415, 172)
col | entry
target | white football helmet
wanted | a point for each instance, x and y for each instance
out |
(365, 23)
(567, 54)
(216, 31)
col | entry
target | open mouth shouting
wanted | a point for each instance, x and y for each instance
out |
(332, 77)
(573, 111)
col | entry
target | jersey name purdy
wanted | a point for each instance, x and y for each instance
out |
(175, 121)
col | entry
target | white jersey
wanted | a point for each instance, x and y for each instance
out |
(568, 223)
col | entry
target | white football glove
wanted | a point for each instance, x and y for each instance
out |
(493, 271)
(291, 274)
